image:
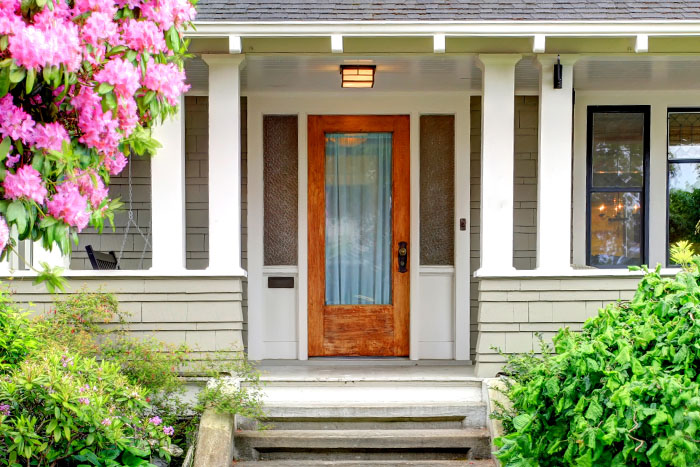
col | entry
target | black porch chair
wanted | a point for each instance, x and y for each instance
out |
(100, 260)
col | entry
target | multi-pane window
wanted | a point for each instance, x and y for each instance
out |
(684, 176)
(618, 151)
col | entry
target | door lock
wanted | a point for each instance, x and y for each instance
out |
(403, 256)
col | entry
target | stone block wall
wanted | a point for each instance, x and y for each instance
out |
(525, 193)
(512, 310)
(203, 312)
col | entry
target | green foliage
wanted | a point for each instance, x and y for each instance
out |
(682, 253)
(75, 410)
(136, 379)
(17, 337)
(683, 214)
(625, 391)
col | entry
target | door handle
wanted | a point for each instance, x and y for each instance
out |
(403, 256)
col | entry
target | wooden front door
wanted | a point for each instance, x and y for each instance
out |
(359, 226)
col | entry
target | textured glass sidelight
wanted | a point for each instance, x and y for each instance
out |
(437, 187)
(280, 178)
(358, 218)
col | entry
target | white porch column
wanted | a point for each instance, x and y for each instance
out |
(554, 166)
(168, 195)
(53, 257)
(224, 163)
(497, 162)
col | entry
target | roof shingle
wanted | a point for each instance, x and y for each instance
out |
(445, 10)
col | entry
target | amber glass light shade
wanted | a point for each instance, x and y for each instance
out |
(357, 76)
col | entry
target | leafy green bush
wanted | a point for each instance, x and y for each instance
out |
(625, 391)
(72, 410)
(140, 380)
(17, 337)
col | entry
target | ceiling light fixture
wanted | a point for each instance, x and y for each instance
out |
(357, 76)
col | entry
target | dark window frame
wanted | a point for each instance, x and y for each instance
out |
(643, 191)
(669, 111)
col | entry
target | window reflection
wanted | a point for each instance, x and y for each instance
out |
(616, 229)
(683, 177)
(618, 150)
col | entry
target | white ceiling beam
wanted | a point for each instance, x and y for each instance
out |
(234, 44)
(539, 42)
(641, 43)
(337, 43)
(439, 43)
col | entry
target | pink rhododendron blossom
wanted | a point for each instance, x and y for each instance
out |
(25, 183)
(166, 79)
(91, 185)
(50, 41)
(50, 136)
(115, 163)
(10, 22)
(99, 27)
(63, 53)
(143, 36)
(69, 205)
(83, 6)
(11, 160)
(127, 113)
(168, 12)
(99, 128)
(15, 123)
(4, 234)
(122, 75)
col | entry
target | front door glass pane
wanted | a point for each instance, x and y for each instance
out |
(358, 218)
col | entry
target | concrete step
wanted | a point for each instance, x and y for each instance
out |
(422, 444)
(365, 463)
(322, 416)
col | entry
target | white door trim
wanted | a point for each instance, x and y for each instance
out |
(357, 103)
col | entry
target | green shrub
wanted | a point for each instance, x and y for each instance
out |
(17, 337)
(137, 379)
(625, 391)
(58, 409)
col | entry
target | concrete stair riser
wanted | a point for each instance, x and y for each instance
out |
(370, 463)
(363, 444)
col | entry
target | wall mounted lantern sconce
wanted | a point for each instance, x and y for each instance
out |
(357, 76)
(558, 74)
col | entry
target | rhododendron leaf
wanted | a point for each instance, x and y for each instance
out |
(109, 101)
(4, 148)
(31, 76)
(4, 42)
(104, 88)
(116, 50)
(17, 74)
(17, 213)
(4, 82)
(40, 3)
(37, 162)
(172, 39)
(47, 222)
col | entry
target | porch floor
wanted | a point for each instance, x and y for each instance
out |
(365, 369)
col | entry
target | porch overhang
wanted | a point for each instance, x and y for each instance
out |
(459, 36)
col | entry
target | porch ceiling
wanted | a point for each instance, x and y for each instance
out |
(450, 72)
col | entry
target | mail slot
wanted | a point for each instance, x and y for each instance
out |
(280, 282)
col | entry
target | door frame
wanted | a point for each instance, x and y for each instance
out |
(303, 104)
(399, 126)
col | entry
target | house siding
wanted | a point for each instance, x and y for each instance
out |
(512, 310)
(524, 196)
(203, 312)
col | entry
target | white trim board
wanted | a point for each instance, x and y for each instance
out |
(304, 104)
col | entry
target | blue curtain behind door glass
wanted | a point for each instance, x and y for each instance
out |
(358, 218)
